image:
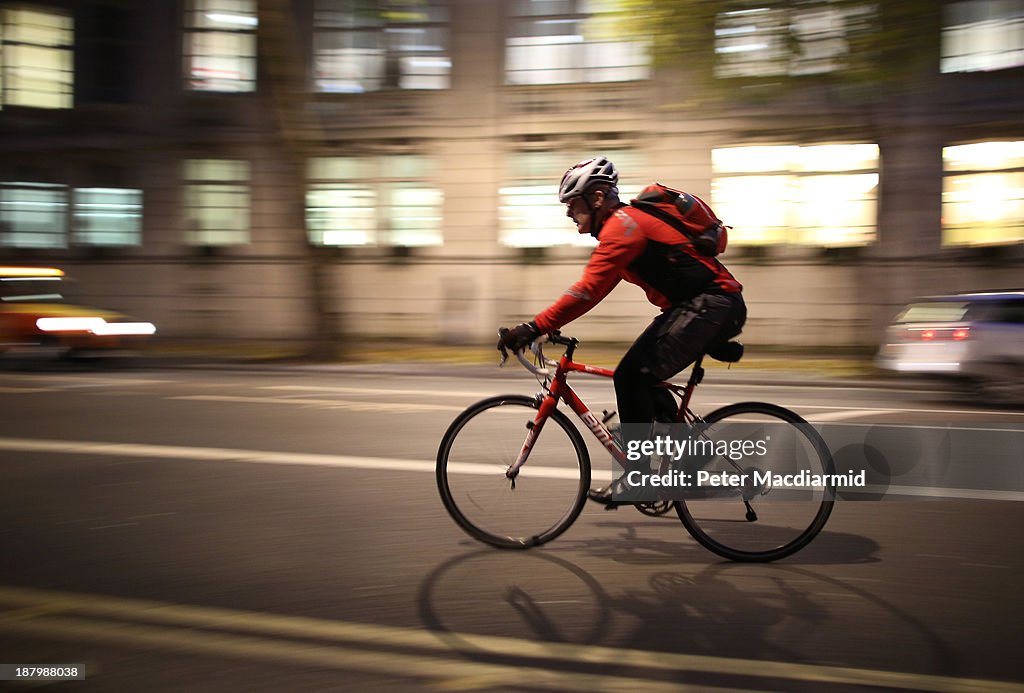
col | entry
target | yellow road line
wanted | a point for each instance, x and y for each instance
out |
(447, 643)
(448, 673)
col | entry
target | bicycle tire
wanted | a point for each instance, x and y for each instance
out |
(479, 446)
(720, 529)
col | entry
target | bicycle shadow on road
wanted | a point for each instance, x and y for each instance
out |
(637, 543)
(476, 601)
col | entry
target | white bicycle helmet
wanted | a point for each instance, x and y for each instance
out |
(581, 177)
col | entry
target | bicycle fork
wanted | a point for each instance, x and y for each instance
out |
(533, 429)
(548, 402)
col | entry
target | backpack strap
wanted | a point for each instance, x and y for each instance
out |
(655, 211)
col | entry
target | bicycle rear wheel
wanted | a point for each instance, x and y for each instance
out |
(774, 509)
(551, 487)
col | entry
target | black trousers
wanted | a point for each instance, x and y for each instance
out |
(673, 340)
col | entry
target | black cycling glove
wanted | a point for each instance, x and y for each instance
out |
(519, 337)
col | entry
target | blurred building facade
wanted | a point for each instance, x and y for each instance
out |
(178, 156)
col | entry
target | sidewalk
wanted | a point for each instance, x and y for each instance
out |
(758, 366)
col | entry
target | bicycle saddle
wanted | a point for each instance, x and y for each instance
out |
(727, 352)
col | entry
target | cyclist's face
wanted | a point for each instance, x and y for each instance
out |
(577, 210)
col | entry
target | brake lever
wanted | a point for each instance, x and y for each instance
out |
(501, 347)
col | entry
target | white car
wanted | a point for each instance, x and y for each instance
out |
(977, 338)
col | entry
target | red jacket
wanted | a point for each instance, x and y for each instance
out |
(645, 251)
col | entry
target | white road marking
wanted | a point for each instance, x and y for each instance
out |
(831, 413)
(801, 409)
(479, 394)
(842, 415)
(264, 457)
(350, 405)
(248, 634)
(79, 447)
(929, 492)
(114, 526)
(595, 389)
(78, 380)
(174, 452)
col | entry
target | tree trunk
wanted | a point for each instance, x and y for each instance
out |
(284, 85)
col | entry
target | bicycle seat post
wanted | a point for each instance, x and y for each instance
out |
(697, 374)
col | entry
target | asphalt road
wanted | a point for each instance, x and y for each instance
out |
(215, 530)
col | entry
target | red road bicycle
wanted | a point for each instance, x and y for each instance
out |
(513, 471)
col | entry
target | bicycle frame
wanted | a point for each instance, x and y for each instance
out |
(717, 526)
(558, 390)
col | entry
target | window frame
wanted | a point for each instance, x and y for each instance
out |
(583, 58)
(57, 219)
(203, 187)
(235, 26)
(375, 177)
(107, 238)
(1004, 57)
(781, 49)
(529, 191)
(980, 167)
(393, 56)
(17, 54)
(789, 182)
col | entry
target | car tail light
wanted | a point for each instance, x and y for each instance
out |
(938, 334)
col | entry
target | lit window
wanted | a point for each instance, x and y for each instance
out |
(571, 41)
(33, 215)
(216, 202)
(36, 58)
(107, 216)
(983, 194)
(983, 35)
(820, 195)
(374, 200)
(774, 41)
(530, 215)
(220, 45)
(361, 46)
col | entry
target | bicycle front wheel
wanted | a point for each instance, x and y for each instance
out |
(769, 504)
(548, 493)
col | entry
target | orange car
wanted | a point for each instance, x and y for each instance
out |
(35, 316)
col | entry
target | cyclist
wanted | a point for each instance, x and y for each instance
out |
(700, 300)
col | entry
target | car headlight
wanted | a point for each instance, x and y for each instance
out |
(124, 328)
(69, 324)
(97, 326)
